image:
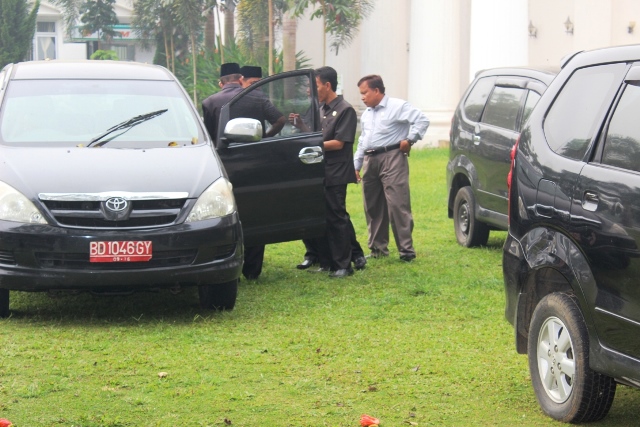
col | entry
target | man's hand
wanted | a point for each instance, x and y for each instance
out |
(405, 146)
(358, 179)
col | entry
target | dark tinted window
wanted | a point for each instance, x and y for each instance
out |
(269, 102)
(532, 100)
(576, 114)
(622, 145)
(474, 104)
(503, 107)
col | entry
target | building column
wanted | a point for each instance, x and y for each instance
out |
(499, 34)
(438, 62)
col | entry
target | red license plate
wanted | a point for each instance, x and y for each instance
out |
(120, 251)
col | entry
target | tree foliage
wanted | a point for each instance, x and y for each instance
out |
(17, 27)
(99, 16)
(341, 18)
(253, 25)
(70, 11)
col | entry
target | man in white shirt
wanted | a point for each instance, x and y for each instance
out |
(389, 126)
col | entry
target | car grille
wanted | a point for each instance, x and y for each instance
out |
(72, 261)
(88, 214)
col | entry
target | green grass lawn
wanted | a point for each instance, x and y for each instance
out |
(419, 344)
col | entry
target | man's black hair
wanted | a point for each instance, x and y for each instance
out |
(328, 74)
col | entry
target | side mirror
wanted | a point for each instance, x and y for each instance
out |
(243, 130)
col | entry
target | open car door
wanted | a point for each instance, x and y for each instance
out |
(277, 180)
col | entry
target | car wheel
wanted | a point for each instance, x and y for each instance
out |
(4, 303)
(469, 231)
(219, 297)
(565, 386)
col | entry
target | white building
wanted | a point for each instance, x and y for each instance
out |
(427, 51)
(52, 42)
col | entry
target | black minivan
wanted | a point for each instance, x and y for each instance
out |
(571, 260)
(484, 127)
(110, 182)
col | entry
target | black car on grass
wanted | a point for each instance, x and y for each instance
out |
(484, 128)
(571, 260)
(110, 182)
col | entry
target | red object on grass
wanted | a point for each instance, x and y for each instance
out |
(368, 420)
(5, 422)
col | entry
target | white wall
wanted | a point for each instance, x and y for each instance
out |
(499, 35)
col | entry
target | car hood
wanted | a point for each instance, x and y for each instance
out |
(93, 170)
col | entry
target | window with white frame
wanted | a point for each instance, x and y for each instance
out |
(45, 41)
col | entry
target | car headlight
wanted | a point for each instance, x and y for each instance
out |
(14, 206)
(215, 202)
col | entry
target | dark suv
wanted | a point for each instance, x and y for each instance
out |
(571, 259)
(485, 126)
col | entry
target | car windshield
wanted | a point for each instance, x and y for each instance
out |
(74, 112)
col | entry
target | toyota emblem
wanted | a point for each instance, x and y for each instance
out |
(116, 204)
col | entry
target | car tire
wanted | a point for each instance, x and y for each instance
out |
(565, 386)
(469, 231)
(218, 297)
(4, 303)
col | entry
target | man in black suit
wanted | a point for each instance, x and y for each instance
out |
(255, 105)
(339, 122)
(230, 86)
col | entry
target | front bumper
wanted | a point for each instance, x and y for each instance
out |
(44, 257)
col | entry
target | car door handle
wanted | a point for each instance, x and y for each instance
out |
(590, 201)
(311, 155)
(476, 139)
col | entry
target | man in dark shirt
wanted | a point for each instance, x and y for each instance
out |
(230, 87)
(339, 122)
(256, 105)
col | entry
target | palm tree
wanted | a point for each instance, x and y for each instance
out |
(229, 8)
(70, 12)
(289, 28)
(190, 15)
(340, 19)
(156, 20)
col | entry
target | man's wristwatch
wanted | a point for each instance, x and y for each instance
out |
(411, 141)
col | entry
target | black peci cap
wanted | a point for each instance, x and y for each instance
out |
(249, 71)
(229, 68)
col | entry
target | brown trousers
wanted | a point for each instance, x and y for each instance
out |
(385, 189)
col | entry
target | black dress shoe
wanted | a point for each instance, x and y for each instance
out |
(305, 264)
(360, 263)
(320, 270)
(343, 272)
(408, 257)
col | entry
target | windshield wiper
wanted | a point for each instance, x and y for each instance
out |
(126, 125)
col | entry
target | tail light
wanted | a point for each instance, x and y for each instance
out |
(514, 150)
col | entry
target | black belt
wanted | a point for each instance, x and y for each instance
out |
(374, 151)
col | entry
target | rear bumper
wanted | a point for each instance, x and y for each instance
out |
(40, 258)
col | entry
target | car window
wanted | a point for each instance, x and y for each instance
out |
(474, 104)
(622, 143)
(532, 100)
(73, 112)
(503, 107)
(269, 103)
(578, 110)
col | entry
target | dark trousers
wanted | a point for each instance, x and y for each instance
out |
(253, 257)
(339, 246)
